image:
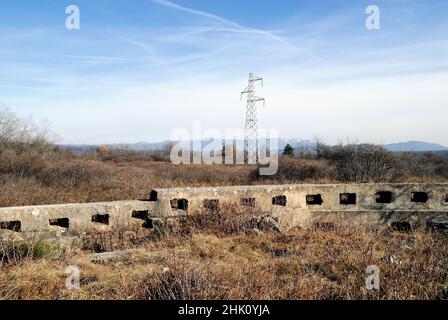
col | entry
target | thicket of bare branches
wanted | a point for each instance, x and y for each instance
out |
(358, 163)
(24, 147)
(361, 162)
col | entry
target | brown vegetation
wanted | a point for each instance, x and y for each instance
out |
(360, 163)
(233, 256)
(34, 171)
(235, 253)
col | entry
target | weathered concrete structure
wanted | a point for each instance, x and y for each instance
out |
(75, 218)
(402, 206)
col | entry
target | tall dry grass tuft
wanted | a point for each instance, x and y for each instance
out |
(14, 252)
(231, 219)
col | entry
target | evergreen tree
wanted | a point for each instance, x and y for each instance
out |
(288, 150)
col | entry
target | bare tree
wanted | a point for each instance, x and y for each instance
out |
(361, 162)
(23, 146)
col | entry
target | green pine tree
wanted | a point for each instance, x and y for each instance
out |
(288, 150)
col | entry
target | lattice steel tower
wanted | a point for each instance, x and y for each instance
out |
(251, 128)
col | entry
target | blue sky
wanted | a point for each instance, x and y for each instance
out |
(139, 69)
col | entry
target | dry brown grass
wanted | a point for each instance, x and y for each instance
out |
(36, 172)
(220, 261)
(82, 180)
(66, 178)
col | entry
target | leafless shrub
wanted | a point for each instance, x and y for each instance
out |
(426, 165)
(24, 148)
(292, 169)
(73, 176)
(360, 162)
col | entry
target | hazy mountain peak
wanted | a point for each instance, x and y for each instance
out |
(415, 146)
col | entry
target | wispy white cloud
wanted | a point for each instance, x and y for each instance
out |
(235, 25)
(14, 33)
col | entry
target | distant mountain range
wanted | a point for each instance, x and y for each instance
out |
(418, 146)
(297, 144)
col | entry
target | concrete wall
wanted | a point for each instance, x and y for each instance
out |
(293, 205)
(302, 205)
(296, 196)
(74, 218)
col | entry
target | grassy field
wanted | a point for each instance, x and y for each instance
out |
(64, 178)
(224, 258)
(85, 180)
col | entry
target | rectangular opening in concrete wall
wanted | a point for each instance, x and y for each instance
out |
(383, 197)
(11, 225)
(324, 226)
(279, 201)
(60, 222)
(401, 226)
(148, 224)
(419, 197)
(446, 197)
(100, 218)
(314, 199)
(143, 215)
(248, 202)
(140, 214)
(153, 195)
(180, 204)
(211, 204)
(437, 225)
(347, 198)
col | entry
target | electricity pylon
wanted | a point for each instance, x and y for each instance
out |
(251, 128)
